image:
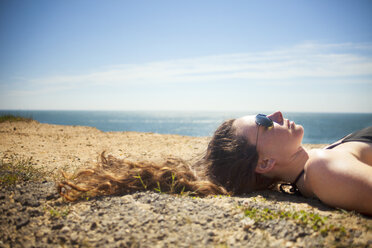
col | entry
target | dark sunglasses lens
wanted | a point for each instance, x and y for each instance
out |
(263, 120)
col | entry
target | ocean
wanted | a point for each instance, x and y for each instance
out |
(320, 128)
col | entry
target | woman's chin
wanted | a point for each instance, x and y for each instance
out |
(300, 128)
(299, 132)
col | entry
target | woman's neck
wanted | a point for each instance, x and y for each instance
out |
(294, 166)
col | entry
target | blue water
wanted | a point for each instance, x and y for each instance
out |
(319, 127)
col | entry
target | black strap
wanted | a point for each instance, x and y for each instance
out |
(293, 189)
(298, 177)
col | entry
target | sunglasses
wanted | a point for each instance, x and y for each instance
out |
(263, 120)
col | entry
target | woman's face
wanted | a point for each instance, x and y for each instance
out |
(278, 142)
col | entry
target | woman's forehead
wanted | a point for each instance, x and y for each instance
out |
(245, 120)
(245, 125)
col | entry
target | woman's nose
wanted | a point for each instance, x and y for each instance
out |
(276, 117)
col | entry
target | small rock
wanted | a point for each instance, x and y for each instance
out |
(51, 196)
(74, 238)
(65, 229)
(32, 202)
(22, 222)
(57, 226)
(93, 226)
(62, 239)
(118, 236)
(34, 212)
(161, 218)
(289, 244)
(247, 222)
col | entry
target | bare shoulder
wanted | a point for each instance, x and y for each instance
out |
(319, 164)
(340, 180)
(323, 164)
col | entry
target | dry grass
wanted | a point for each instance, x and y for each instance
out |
(14, 118)
(15, 170)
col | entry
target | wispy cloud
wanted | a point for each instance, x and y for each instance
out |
(308, 60)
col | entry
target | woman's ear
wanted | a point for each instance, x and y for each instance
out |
(266, 165)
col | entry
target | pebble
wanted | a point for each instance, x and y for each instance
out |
(74, 237)
(65, 229)
(20, 222)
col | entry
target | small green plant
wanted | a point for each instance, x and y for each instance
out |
(183, 190)
(14, 118)
(221, 196)
(86, 196)
(158, 188)
(143, 184)
(16, 170)
(173, 183)
(57, 213)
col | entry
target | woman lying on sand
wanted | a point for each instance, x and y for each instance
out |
(247, 154)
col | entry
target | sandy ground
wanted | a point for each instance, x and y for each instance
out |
(72, 147)
(55, 147)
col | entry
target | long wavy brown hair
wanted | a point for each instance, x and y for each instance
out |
(229, 168)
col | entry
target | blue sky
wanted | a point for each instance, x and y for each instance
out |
(312, 56)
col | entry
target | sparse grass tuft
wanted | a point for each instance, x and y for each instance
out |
(17, 170)
(56, 213)
(316, 222)
(14, 118)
